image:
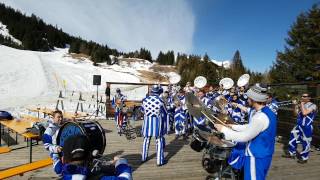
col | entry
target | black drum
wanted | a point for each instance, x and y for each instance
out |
(198, 142)
(91, 129)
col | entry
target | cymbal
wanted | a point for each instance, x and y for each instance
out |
(220, 142)
(194, 105)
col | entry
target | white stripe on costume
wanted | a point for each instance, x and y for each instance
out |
(125, 175)
(253, 168)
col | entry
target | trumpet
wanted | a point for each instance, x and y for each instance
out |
(293, 101)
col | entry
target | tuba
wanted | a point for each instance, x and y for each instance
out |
(200, 82)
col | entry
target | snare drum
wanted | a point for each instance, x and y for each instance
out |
(91, 129)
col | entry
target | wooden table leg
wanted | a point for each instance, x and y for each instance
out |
(8, 137)
(30, 152)
(0, 133)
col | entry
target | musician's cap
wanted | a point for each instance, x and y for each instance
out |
(76, 148)
(156, 89)
(258, 93)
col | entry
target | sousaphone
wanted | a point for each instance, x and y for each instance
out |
(200, 82)
(175, 79)
(243, 80)
(226, 83)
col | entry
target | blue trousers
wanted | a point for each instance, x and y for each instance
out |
(160, 144)
(303, 134)
(256, 168)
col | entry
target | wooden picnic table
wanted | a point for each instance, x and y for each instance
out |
(67, 115)
(20, 126)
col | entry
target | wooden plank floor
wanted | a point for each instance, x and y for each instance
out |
(183, 162)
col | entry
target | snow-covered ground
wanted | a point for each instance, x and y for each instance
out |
(5, 33)
(35, 79)
(31, 78)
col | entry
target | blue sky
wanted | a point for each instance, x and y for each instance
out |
(256, 28)
(219, 27)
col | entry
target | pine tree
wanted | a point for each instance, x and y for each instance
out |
(237, 68)
(301, 55)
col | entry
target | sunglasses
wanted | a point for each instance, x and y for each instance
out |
(304, 96)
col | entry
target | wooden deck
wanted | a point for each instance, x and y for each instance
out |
(183, 162)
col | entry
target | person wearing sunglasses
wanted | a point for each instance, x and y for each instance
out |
(302, 132)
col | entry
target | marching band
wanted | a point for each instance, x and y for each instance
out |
(240, 122)
(253, 115)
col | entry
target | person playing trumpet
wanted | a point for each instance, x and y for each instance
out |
(303, 130)
(259, 134)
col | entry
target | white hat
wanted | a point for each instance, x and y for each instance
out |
(258, 93)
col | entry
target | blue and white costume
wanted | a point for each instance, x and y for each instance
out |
(260, 137)
(273, 105)
(235, 113)
(123, 172)
(212, 95)
(201, 121)
(170, 110)
(154, 125)
(180, 120)
(118, 117)
(303, 131)
(49, 141)
(243, 98)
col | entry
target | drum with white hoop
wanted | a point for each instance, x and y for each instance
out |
(91, 129)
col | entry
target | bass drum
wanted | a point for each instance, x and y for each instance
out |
(199, 142)
(91, 129)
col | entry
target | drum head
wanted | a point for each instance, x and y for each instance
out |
(92, 130)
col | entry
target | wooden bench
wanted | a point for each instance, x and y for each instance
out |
(4, 150)
(20, 127)
(20, 170)
(24, 116)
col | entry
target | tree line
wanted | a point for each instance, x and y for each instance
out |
(299, 61)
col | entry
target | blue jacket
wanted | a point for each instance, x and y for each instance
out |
(49, 142)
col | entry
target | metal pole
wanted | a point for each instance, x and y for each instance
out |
(97, 113)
